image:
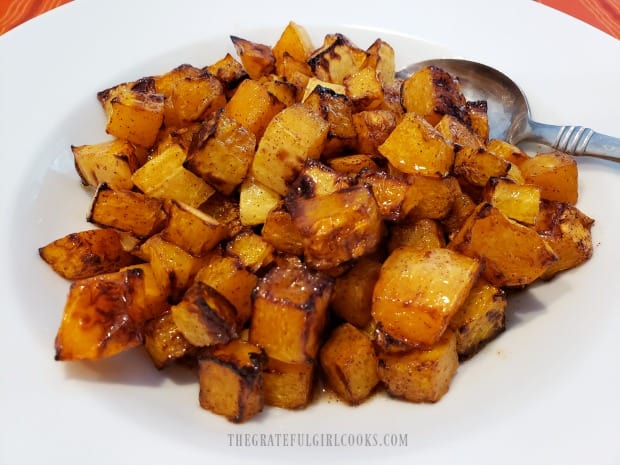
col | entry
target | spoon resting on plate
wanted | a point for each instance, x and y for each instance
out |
(509, 112)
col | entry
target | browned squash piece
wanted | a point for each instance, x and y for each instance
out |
(556, 175)
(257, 59)
(381, 58)
(228, 276)
(418, 292)
(431, 93)
(389, 192)
(337, 227)
(231, 380)
(194, 231)
(478, 115)
(294, 135)
(165, 84)
(253, 106)
(224, 210)
(164, 343)
(336, 59)
(480, 319)
(87, 253)
(519, 202)
(422, 234)
(507, 151)
(222, 156)
(295, 72)
(352, 296)
(476, 165)
(280, 231)
(252, 250)
(288, 385)
(373, 128)
(429, 197)
(256, 200)
(513, 254)
(153, 301)
(127, 211)
(420, 375)
(96, 322)
(349, 363)
(205, 317)
(164, 176)
(197, 97)
(365, 89)
(462, 207)
(351, 165)
(454, 130)
(567, 230)
(290, 311)
(134, 111)
(284, 91)
(414, 146)
(110, 162)
(294, 42)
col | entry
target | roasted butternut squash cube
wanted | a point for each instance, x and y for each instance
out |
(256, 200)
(476, 165)
(429, 197)
(290, 311)
(230, 73)
(284, 91)
(352, 296)
(165, 343)
(365, 89)
(462, 207)
(231, 380)
(480, 319)
(414, 146)
(373, 128)
(513, 254)
(381, 58)
(478, 115)
(294, 41)
(110, 162)
(556, 175)
(420, 375)
(165, 84)
(294, 135)
(228, 276)
(252, 250)
(337, 227)
(352, 165)
(454, 130)
(87, 253)
(253, 106)
(336, 59)
(222, 157)
(193, 230)
(296, 72)
(519, 202)
(288, 385)
(257, 59)
(389, 192)
(431, 93)
(171, 264)
(224, 210)
(95, 322)
(134, 111)
(153, 301)
(349, 363)
(418, 292)
(317, 179)
(197, 97)
(507, 151)
(205, 317)
(422, 234)
(127, 211)
(164, 176)
(280, 231)
(567, 230)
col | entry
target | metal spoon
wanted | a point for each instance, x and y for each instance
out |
(509, 112)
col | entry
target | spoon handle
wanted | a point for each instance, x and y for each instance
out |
(576, 140)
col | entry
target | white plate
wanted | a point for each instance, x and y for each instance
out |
(546, 391)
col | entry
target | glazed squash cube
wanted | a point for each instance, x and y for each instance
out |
(127, 211)
(420, 375)
(507, 151)
(87, 253)
(256, 200)
(349, 363)
(423, 234)
(555, 173)
(280, 231)
(231, 380)
(414, 146)
(204, 317)
(111, 163)
(197, 97)
(164, 342)
(337, 227)
(290, 311)
(288, 385)
(418, 292)
(294, 135)
(192, 230)
(389, 192)
(513, 254)
(166, 83)
(381, 58)
(153, 301)
(519, 202)
(257, 59)
(134, 111)
(96, 322)
(365, 89)
(481, 318)
(431, 93)
(336, 59)
(229, 72)
(476, 165)
(351, 165)
(222, 156)
(479, 117)
(295, 42)
(452, 129)
(373, 128)
(429, 197)
(252, 250)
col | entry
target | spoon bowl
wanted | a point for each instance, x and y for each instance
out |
(509, 112)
